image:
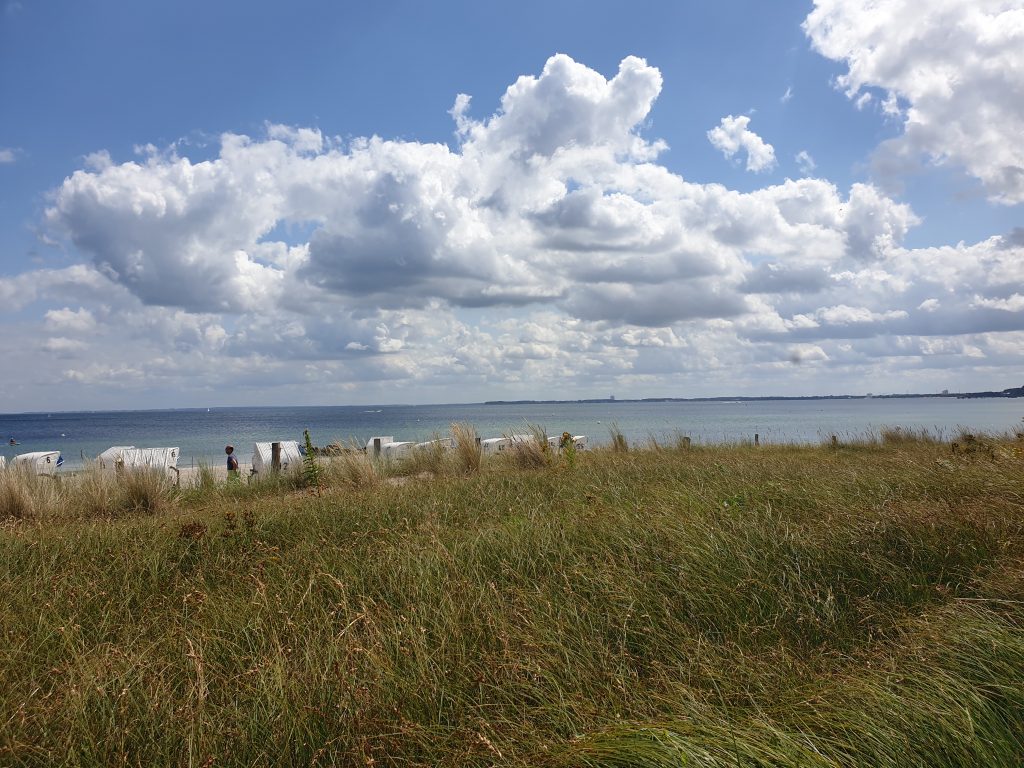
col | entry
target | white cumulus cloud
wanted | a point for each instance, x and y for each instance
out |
(67, 320)
(805, 162)
(951, 71)
(731, 136)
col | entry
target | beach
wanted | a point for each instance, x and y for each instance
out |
(201, 433)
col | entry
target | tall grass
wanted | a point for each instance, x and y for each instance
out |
(96, 492)
(939, 708)
(352, 468)
(618, 442)
(92, 493)
(436, 459)
(906, 435)
(530, 451)
(467, 448)
(793, 606)
(205, 478)
(147, 491)
(25, 495)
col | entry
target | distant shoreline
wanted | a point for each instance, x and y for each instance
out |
(1006, 393)
(1012, 392)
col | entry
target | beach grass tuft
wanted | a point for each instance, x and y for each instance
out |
(352, 468)
(618, 441)
(25, 495)
(145, 491)
(96, 492)
(530, 451)
(467, 448)
(205, 478)
(435, 460)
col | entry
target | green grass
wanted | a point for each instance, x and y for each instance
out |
(715, 606)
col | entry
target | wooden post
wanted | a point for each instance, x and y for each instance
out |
(478, 442)
(376, 446)
(835, 441)
(757, 439)
(686, 443)
(275, 457)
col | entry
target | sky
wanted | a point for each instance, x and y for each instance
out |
(252, 203)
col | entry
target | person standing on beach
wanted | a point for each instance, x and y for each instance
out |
(232, 462)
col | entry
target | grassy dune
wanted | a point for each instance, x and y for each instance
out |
(717, 606)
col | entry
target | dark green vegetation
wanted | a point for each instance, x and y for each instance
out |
(727, 606)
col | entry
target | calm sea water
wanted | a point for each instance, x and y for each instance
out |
(201, 434)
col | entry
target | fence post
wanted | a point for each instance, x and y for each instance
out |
(376, 446)
(757, 439)
(835, 441)
(275, 457)
(686, 443)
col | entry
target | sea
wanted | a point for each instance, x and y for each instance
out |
(201, 433)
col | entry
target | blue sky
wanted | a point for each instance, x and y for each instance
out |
(149, 258)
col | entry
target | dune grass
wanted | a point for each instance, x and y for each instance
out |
(467, 449)
(618, 440)
(352, 469)
(530, 451)
(708, 606)
(24, 495)
(92, 493)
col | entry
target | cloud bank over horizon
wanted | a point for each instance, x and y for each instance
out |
(547, 252)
